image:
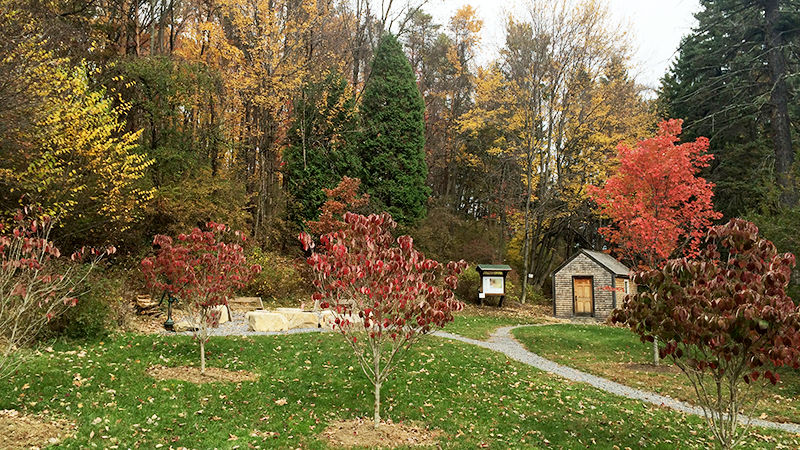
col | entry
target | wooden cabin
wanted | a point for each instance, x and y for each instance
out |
(589, 284)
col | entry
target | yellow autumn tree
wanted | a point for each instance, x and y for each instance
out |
(65, 148)
(263, 50)
(556, 102)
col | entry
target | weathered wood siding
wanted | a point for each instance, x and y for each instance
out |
(582, 265)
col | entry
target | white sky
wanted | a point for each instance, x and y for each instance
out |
(655, 28)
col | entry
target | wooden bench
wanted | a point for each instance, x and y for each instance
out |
(145, 305)
(245, 303)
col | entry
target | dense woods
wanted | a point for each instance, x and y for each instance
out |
(131, 118)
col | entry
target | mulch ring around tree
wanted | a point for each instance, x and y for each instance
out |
(22, 431)
(192, 374)
(362, 433)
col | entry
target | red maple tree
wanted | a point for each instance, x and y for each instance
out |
(383, 293)
(658, 205)
(724, 318)
(201, 269)
(344, 197)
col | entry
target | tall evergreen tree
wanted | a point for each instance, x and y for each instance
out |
(321, 149)
(392, 146)
(724, 87)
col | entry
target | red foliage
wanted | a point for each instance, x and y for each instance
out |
(656, 201)
(342, 198)
(199, 267)
(381, 287)
(723, 317)
(36, 282)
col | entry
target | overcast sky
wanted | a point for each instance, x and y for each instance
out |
(655, 28)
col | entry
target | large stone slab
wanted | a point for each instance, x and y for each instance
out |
(328, 319)
(183, 325)
(223, 313)
(266, 321)
(297, 318)
(245, 303)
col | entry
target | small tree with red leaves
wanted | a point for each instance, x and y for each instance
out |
(342, 198)
(384, 294)
(202, 269)
(37, 283)
(724, 318)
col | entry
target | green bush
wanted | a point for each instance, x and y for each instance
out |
(536, 296)
(279, 280)
(468, 283)
(99, 311)
(514, 292)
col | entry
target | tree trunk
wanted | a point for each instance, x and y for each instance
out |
(377, 417)
(526, 242)
(656, 359)
(779, 97)
(202, 357)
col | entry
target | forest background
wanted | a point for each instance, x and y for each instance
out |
(128, 118)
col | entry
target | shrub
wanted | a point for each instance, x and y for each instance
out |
(99, 312)
(468, 284)
(724, 319)
(279, 279)
(445, 235)
(536, 296)
(37, 284)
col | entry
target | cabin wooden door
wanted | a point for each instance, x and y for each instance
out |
(582, 290)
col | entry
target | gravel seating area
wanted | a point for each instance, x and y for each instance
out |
(238, 326)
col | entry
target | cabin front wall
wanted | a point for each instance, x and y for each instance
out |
(602, 281)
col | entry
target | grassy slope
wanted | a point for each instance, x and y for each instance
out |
(608, 351)
(475, 396)
(478, 322)
(481, 327)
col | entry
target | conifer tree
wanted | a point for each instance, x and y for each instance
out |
(393, 137)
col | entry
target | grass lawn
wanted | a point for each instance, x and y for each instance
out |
(478, 322)
(618, 354)
(476, 397)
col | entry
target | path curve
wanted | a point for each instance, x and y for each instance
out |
(502, 341)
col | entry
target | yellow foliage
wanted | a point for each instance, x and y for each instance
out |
(70, 153)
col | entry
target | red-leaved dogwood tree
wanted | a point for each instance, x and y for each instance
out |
(384, 294)
(203, 270)
(37, 283)
(724, 318)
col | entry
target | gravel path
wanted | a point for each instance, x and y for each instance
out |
(502, 341)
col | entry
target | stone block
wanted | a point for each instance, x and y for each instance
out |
(183, 325)
(297, 318)
(223, 313)
(328, 319)
(325, 318)
(266, 321)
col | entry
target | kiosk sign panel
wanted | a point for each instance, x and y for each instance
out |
(493, 281)
(493, 285)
